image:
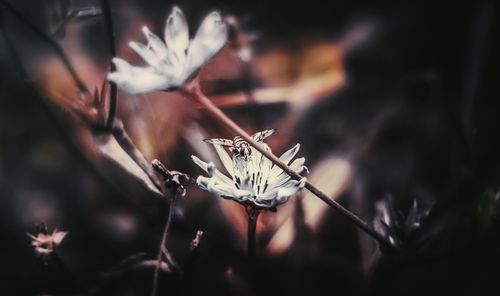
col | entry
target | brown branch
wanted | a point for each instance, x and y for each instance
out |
(192, 89)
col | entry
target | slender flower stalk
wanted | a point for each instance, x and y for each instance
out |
(253, 215)
(162, 245)
(193, 257)
(173, 187)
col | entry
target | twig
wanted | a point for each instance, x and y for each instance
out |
(106, 9)
(193, 256)
(55, 46)
(162, 245)
(193, 89)
(129, 147)
(173, 187)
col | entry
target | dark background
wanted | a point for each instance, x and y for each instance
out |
(423, 90)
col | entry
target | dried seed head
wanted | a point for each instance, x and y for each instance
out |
(173, 180)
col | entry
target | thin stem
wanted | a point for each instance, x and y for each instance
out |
(106, 9)
(162, 245)
(193, 89)
(193, 256)
(253, 215)
(128, 145)
(55, 46)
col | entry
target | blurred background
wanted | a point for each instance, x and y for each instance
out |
(394, 103)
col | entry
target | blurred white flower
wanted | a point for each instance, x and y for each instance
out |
(171, 63)
(255, 180)
(44, 243)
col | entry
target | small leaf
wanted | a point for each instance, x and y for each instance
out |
(113, 153)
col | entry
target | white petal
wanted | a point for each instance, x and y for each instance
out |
(147, 55)
(264, 167)
(34, 238)
(281, 194)
(200, 163)
(155, 43)
(225, 159)
(223, 189)
(58, 237)
(121, 65)
(135, 80)
(208, 41)
(214, 185)
(177, 36)
(279, 181)
(286, 157)
(211, 170)
(290, 154)
(298, 165)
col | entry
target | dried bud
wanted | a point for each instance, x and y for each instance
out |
(197, 239)
(172, 179)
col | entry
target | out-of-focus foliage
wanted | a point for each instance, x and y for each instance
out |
(385, 98)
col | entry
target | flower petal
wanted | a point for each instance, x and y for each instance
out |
(225, 159)
(155, 43)
(281, 194)
(136, 80)
(222, 189)
(208, 41)
(121, 65)
(147, 55)
(177, 36)
(286, 157)
(58, 237)
(290, 154)
(264, 166)
(210, 169)
(298, 165)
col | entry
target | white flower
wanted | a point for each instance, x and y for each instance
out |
(44, 244)
(255, 180)
(171, 63)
